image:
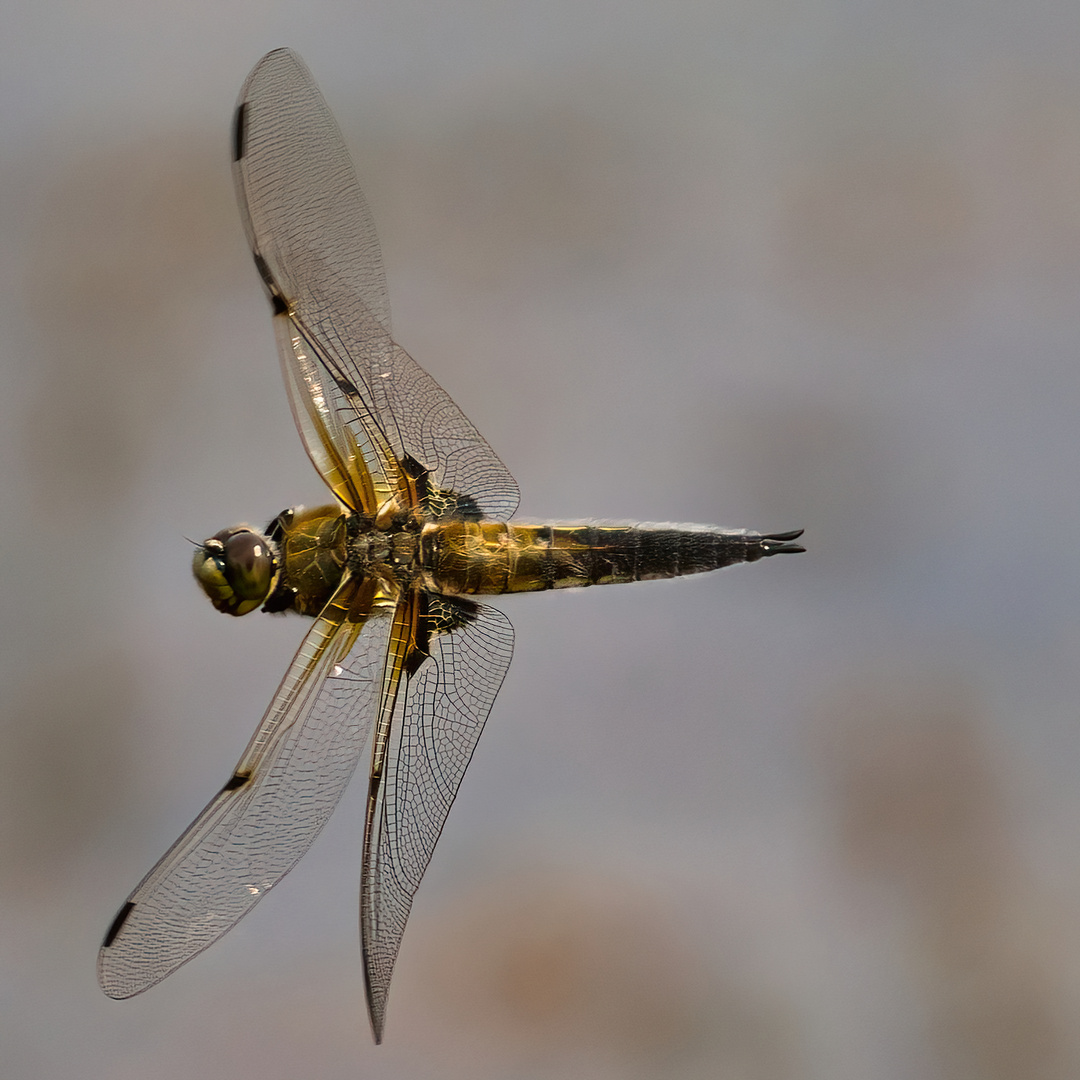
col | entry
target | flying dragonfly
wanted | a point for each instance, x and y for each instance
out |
(399, 655)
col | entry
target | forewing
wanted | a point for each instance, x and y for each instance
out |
(439, 719)
(283, 791)
(353, 457)
(314, 243)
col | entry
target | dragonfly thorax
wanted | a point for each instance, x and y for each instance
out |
(388, 553)
(300, 560)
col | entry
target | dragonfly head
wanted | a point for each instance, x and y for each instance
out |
(237, 568)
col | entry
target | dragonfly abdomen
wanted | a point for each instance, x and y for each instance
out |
(501, 557)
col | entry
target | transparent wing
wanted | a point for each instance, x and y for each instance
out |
(436, 726)
(314, 244)
(285, 787)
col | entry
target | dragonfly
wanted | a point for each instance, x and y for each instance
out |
(400, 659)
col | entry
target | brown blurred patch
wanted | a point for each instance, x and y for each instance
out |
(877, 230)
(921, 811)
(127, 249)
(122, 256)
(916, 785)
(588, 972)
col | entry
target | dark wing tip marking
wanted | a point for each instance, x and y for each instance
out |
(118, 924)
(240, 131)
(237, 780)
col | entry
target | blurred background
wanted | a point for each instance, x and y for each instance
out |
(763, 265)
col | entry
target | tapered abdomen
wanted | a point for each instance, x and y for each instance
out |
(501, 557)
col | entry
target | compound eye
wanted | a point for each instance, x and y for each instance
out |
(237, 569)
(249, 566)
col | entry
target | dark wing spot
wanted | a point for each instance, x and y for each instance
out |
(440, 503)
(453, 612)
(443, 504)
(437, 615)
(467, 507)
(240, 131)
(277, 301)
(237, 780)
(420, 646)
(415, 472)
(346, 387)
(420, 649)
(117, 924)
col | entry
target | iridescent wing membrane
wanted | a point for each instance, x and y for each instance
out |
(447, 700)
(314, 244)
(282, 792)
(427, 669)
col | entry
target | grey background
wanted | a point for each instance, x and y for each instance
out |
(764, 265)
